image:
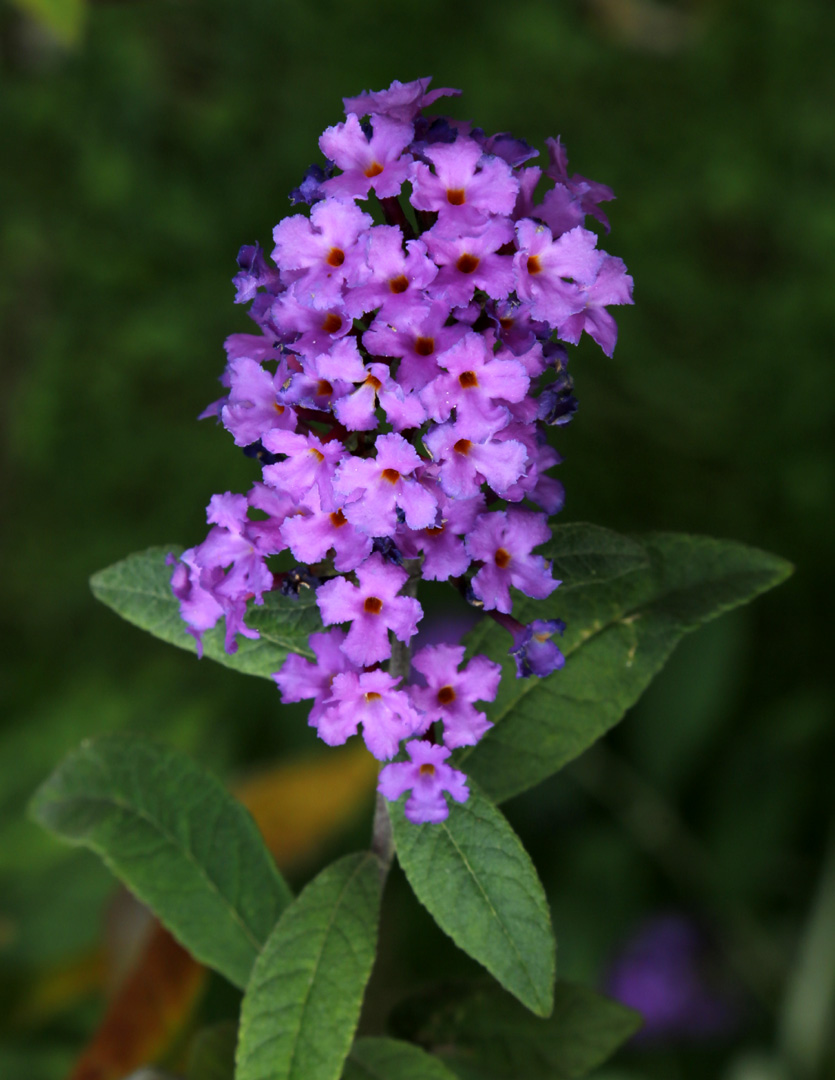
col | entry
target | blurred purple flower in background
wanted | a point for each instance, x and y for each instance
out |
(671, 972)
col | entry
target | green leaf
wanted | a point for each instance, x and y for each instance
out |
(582, 554)
(487, 1035)
(478, 883)
(138, 588)
(619, 634)
(303, 1001)
(391, 1059)
(176, 837)
(212, 1055)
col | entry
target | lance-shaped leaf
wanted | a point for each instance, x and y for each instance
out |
(303, 1000)
(484, 1034)
(619, 634)
(176, 837)
(138, 588)
(581, 554)
(392, 1059)
(477, 881)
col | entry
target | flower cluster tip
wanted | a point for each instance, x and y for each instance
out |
(409, 359)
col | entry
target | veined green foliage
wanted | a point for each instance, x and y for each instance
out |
(175, 836)
(138, 588)
(477, 881)
(303, 1001)
(620, 631)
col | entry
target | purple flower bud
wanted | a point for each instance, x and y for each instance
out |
(534, 650)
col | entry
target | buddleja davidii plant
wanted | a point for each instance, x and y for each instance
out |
(397, 396)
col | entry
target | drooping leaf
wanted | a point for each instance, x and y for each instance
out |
(212, 1055)
(483, 1033)
(145, 1014)
(619, 634)
(173, 834)
(392, 1059)
(303, 1000)
(138, 588)
(476, 880)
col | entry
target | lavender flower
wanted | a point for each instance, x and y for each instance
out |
(446, 321)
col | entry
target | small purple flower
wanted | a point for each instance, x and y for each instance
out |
(419, 338)
(370, 162)
(372, 489)
(312, 532)
(551, 271)
(373, 608)
(402, 101)
(310, 462)
(386, 714)
(472, 262)
(503, 541)
(252, 407)
(427, 776)
(611, 286)
(449, 694)
(474, 382)
(300, 679)
(535, 651)
(466, 188)
(325, 248)
(464, 464)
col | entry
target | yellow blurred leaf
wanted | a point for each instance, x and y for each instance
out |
(63, 18)
(298, 804)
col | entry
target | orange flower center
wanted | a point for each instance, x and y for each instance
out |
(534, 265)
(374, 169)
(399, 284)
(373, 605)
(462, 447)
(456, 196)
(467, 379)
(445, 695)
(336, 257)
(467, 263)
(501, 558)
(427, 769)
(425, 346)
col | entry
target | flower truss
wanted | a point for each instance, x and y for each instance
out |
(409, 359)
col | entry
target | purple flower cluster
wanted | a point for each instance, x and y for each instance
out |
(407, 365)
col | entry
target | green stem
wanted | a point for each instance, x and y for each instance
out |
(805, 1030)
(382, 838)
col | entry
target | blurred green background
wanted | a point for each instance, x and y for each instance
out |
(144, 142)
